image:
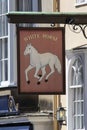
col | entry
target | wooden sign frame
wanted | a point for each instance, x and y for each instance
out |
(41, 60)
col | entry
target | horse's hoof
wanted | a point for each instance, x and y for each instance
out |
(46, 80)
(38, 82)
(40, 75)
(28, 82)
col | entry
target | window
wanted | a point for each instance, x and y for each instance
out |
(77, 73)
(3, 42)
(3, 6)
(3, 25)
(4, 59)
(78, 112)
(29, 5)
(78, 101)
(7, 46)
(75, 93)
(81, 2)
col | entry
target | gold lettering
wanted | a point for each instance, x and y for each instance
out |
(49, 37)
(31, 36)
(36, 36)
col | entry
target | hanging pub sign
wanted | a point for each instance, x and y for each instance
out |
(41, 60)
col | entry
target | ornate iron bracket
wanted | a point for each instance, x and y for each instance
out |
(79, 28)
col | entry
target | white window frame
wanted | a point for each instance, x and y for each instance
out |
(12, 65)
(70, 92)
(80, 2)
(78, 103)
(12, 49)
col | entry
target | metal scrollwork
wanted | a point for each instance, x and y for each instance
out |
(79, 28)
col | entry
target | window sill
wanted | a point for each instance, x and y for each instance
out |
(7, 84)
(80, 4)
(76, 86)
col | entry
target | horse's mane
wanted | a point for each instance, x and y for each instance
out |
(34, 49)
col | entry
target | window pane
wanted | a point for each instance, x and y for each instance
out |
(25, 6)
(78, 122)
(0, 25)
(0, 6)
(3, 6)
(78, 103)
(6, 70)
(5, 48)
(29, 5)
(3, 41)
(81, 93)
(35, 5)
(75, 110)
(77, 72)
(82, 111)
(0, 71)
(3, 59)
(80, 1)
(81, 122)
(3, 26)
(0, 49)
(78, 108)
(75, 120)
(75, 94)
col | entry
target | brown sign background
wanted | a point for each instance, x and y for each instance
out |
(44, 40)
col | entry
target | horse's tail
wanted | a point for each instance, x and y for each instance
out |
(58, 65)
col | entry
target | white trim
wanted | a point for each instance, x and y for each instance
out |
(3, 37)
(70, 90)
(81, 3)
(7, 84)
(12, 65)
(3, 14)
(12, 54)
(76, 86)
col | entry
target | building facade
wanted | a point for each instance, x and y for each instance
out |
(76, 53)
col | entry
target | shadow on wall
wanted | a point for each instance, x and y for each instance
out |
(27, 103)
(45, 105)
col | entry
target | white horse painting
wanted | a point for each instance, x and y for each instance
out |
(40, 61)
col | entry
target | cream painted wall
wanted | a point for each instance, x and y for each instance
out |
(47, 5)
(72, 39)
(70, 6)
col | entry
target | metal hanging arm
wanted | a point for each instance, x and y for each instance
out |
(76, 28)
(77, 20)
(79, 28)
